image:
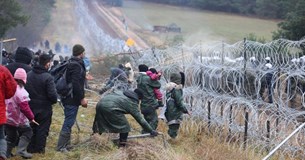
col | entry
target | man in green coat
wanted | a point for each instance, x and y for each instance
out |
(174, 103)
(149, 103)
(111, 110)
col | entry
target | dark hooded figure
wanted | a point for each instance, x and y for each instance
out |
(23, 58)
(111, 110)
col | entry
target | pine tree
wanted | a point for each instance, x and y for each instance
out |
(10, 16)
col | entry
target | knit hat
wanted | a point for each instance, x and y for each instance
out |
(78, 50)
(143, 68)
(23, 55)
(20, 74)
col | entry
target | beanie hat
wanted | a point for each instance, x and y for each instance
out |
(143, 68)
(23, 55)
(78, 50)
(20, 74)
(44, 59)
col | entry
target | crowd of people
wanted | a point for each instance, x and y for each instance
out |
(28, 91)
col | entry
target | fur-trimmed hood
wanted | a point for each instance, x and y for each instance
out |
(171, 85)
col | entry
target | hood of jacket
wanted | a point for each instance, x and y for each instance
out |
(132, 95)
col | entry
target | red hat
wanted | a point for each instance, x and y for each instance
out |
(20, 74)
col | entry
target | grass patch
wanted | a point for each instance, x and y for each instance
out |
(198, 25)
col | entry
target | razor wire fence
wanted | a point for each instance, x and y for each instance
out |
(237, 95)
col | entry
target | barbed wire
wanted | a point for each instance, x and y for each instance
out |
(225, 82)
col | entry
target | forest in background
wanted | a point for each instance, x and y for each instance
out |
(275, 9)
(39, 15)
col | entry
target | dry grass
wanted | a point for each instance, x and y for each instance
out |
(190, 144)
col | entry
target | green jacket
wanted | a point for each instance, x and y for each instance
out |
(174, 103)
(147, 86)
(110, 112)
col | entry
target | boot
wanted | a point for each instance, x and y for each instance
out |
(22, 147)
(10, 147)
(63, 141)
(123, 139)
(2, 149)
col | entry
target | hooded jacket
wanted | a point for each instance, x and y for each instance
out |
(41, 87)
(174, 103)
(110, 112)
(18, 109)
(12, 67)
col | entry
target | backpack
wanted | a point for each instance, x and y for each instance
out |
(63, 88)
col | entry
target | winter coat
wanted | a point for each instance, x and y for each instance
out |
(18, 109)
(147, 86)
(41, 87)
(8, 87)
(12, 67)
(110, 112)
(76, 73)
(174, 103)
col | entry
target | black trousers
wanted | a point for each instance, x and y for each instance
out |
(13, 133)
(41, 132)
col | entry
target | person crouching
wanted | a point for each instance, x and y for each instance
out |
(110, 112)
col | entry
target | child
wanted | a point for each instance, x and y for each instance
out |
(174, 103)
(154, 75)
(18, 116)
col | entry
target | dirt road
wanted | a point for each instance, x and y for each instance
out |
(113, 24)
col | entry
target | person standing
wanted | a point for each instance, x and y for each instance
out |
(149, 103)
(111, 110)
(19, 116)
(42, 91)
(8, 88)
(75, 74)
(155, 76)
(174, 103)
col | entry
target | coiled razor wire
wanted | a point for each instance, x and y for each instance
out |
(91, 31)
(224, 83)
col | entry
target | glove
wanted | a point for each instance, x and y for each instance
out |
(154, 133)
